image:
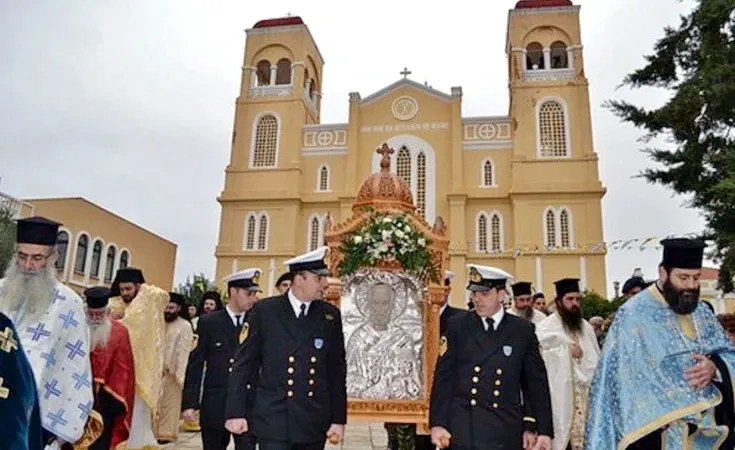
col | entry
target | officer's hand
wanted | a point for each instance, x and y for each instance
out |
(543, 443)
(440, 437)
(335, 433)
(576, 351)
(237, 426)
(529, 440)
(190, 414)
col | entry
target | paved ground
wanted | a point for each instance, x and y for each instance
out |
(358, 436)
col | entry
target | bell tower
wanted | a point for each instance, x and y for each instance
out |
(553, 149)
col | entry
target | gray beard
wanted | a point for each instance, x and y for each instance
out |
(526, 313)
(99, 333)
(33, 292)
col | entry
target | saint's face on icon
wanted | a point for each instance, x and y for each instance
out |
(380, 305)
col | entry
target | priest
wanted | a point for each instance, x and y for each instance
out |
(176, 348)
(50, 321)
(141, 306)
(523, 303)
(112, 370)
(21, 425)
(666, 367)
(570, 352)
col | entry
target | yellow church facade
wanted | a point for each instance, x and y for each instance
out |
(521, 192)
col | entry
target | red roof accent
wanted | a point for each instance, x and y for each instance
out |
(708, 273)
(542, 3)
(279, 22)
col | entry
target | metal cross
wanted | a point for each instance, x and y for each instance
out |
(406, 72)
(7, 341)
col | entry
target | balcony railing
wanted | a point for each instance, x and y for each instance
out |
(277, 90)
(548, 75)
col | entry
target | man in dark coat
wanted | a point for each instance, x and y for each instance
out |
(288, 383)
(488, 359)
(216, 345)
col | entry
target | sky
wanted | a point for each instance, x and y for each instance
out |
(130, 103)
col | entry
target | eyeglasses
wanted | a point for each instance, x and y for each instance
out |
(37, 258)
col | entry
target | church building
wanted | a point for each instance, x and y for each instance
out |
(521, 192)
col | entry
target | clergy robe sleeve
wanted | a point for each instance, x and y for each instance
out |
(725, 411)
(535, 387)
(247, 363)
(338, 373)
(121, 382)
(195, 368)
(440, 403)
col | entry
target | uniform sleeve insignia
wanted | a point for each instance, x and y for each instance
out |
(443, 346)
(194, 342)
(328, 316)
(7, 340)
(244, 332)
(4, 392)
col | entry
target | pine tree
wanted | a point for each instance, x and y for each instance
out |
(696, 64)
(7, 238)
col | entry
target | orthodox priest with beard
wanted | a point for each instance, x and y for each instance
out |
(49, 318)
(666, 368)
(523, 303)
(570, 352)
(112, 369)
(141, 306)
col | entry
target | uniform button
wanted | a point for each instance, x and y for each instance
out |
(499, 371)
(291, 359)
(290, 393)
(475, 379)
(232, 360)
(495, 405)
(312, 371)
(477, 369)
(290, 370)
(247, 386)
(473, 402)
(496, 393)
(290, 382)
(313, 359)
(311, 381)
(229, 369)
(497, 382)
(474, 391)
(310, 394)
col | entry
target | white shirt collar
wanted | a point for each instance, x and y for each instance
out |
(232, 314)
(296, 304)
(497, 317)
(443, 307)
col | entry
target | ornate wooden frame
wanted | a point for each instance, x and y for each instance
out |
(384, 192)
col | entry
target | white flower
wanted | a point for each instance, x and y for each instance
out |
(421, 242)
(386, 234)
(382, 248)
(357, 239)
(399, 233)
(387, 220)
(407, 228)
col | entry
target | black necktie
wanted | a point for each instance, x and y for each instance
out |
(302, 314)
(237, 319)
(490, 328)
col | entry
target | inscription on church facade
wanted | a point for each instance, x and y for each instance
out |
(427, 126)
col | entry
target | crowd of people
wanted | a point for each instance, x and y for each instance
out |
(120, 368)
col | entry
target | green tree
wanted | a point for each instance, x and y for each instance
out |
(593, 304)
(695, 62)
(194, 287)
(7, 237)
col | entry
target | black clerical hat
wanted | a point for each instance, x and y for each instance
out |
(566, 285)
(175, 297)
(682, 253)
(97, 297)
(37, 230)
(521, 288)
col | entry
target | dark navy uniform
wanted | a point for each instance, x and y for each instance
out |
(300, 368)
(448, 313)
(20, 427)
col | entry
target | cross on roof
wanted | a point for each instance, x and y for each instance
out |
(406, 72)
(386, 152)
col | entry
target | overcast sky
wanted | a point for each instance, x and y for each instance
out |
(130, 103)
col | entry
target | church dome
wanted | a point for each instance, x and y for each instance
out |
(384, 189)
(279, 22)
(542, 3)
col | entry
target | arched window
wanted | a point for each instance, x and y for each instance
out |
(62, 248)
(552, 130)
(323, 179)
(264, 73)
(96, 259)
(283, 71)
(565, 234)
(558, 228)
(482, 233)
(488, 173)
(315, 234)
(265, 143)
(80, 260)
(496, 232)
(535, 56)
(306, 78)
(489, 239)
(403, 164)
(263, 231)
(550, 228)
(559, 55)
(421, 184)
(250, 225)
(110, 264)
(312, 88)
(124, 259)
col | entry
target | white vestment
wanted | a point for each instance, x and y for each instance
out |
(536, 318)
(141, 426)
(567, 375)
(57, 346)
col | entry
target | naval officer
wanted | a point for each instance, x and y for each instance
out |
(292, 354)
(488, 359)
(216, 345)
